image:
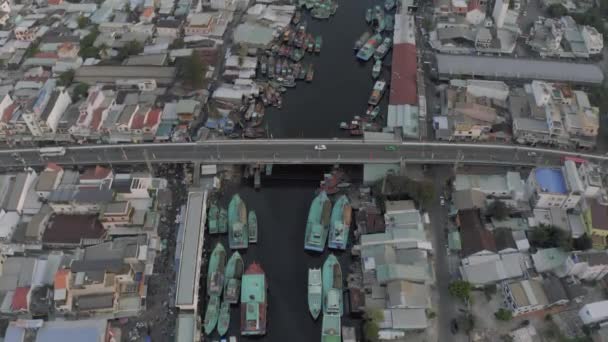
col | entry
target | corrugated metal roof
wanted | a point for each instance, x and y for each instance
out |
(403, 75)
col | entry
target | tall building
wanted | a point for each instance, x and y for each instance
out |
(500, 12)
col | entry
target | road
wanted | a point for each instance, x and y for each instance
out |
(297, 152)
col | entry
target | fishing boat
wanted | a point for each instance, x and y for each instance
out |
(310, 43)
(252, 226)
(271, 67)
(310, 73)
(368, 15)
(367, 51)
(296, 17)
(383, 49)
(234, 273)
(373, 111)
(364, 37)
(389, 22)
(222, 222)
(310, 4)
(378, 20)
(223, 321)
(377, 92)
(211, 314)
(315, 292)
(278, 67)
(377, 69)
(254, 301)
(321, 12)
(356, 132)
(212, 217)
(287, 82)
(332, 286)
(389, 4)
(331, 328)
(318, 44)
(302, 73)
(215, 272)
(296, 55)
(317, 223)
(238, 237)
(339, 227)
(263, 66)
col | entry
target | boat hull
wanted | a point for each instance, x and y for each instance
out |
(211, 314)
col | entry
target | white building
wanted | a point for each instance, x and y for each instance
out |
(524, 296)
(587, 266)
(591, 178)
(500, 12)
(594, 312)
(547, 188)
(491, 89)
(43, 117)
(594, 41)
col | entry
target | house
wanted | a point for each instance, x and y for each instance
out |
(26, 30)
(8, 225)
(591, 178)
(492, 271)
(71, 231)
(506, 186)
(524, 296)
(505, 243)
(588, 266)
(547, 188)
(116, 214)
(168, 28)
(407, 295)
(48, 180)
(21, 185)
(70, 200)
(596, 219)
(187, 110)
(592, 313)
(208, 24)
(549, 260)
(147, 14)
(478, 244)
(37, 225)
(469, 199)
(95, 176)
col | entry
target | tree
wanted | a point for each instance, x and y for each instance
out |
(83, 22)
(66, 78)
(195, 70)
(557, 11)
(460, 289)
(177, 44)
(80, 91)
(503, 314)
(499, 210)
(87, 50)
(549, 237)
(130, 48)
(371, 326)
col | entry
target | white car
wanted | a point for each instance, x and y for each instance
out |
(531, 154)
(320, 147)
(442, 201)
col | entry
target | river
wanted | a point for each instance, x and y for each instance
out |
(341, 86)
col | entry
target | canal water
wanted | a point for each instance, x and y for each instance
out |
(342, 85)
(282, 209)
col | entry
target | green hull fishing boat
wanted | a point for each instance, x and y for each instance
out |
(215, 272)
(222, 222)
(252, 227)
(379, 19)
(389, 4)
(368, 15)
(211, 315)
(367, 51)
(341, 217)
(223, 321)
(389, 21)
(331, 328)
(234, 273)
(238, 237)
(332, 286)
(317, 223)
(315, 292)
(212, 217)
(377, 69)
(318, 44)
(254, 301)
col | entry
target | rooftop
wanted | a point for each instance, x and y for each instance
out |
(72, 229)
(551, 180)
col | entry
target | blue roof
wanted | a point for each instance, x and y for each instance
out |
(551, 180)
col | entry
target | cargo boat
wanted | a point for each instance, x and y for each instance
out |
(222, 222)
(378, 20)
(383, 49)
(315, 292)
(339, 228)
(223, 321)
(211, 314)
(367, 51)
(215, 272)
(212, 217)
(252, 226)
(331, 328)
(254, 301)
(377, 92)
(364, 37)
(317, 223)
(238, 237)
(234, 273)
(368, 15)
(389, 4)
(377, 69)
(318, 44)
(332, 286)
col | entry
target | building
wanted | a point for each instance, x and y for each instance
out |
(587, 266)
(43, 117)
(592, 313)
(591, 178)
(49, 180)
(168, 28)
(500, 12)
(524, 296)
(547, 188)
(508, 186)
(594, 41)
(208, 24)
(596, 220)
(86, 200)
(162, 75)
(478, 244)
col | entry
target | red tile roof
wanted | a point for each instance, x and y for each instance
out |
(61, 279)
(137, 121)
(53, 167)
(473, 4)
(46, 55)
(148, 12)
(71, 229)
(153, 117)
(403, 75)
(8, 112)
(20, 299)
(99, 172)
(96, 121)
(54, 2)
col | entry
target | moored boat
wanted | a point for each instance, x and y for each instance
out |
(302, 73)
(238, 237)
(317, 223)
(271, 66)
(373, 111)
(378, 20)
(331, 328)
(252, 227)
(368, 15)
(318, 44)
(364, 37)
(332, 286)
(254, 301)
(390, 22)
(215, 272)
(315, 292)
(389, 4)
(377, 69)
(263, 65)
(383, 49)
(339, 228)
(356, 132)
(223, 321)
(296, 17)
(377, 92)
(222, 222)
(212, 217)
(296, 55)
(310, 43)
(211, 314)
(367, 51)
(234, 273)
(310, 73)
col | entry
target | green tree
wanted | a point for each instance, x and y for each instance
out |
(549, 237)
(32, 50)
(80, 91)
(83, 22)
(127, 7)
(87, 50)
(425, 192)
(131, 48)
(460, 289)
(66, 78)
(499, 210)
(503, 314)
(557, 11)
(195, 70)
(371, 326)
(177, 44)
